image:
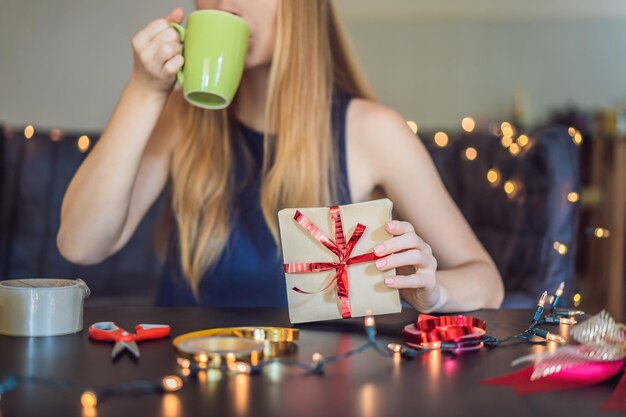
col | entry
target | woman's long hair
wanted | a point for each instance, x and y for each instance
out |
(311, 58)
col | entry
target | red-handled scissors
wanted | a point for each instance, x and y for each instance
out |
(108, 331)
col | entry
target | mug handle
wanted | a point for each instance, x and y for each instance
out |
(181, 32)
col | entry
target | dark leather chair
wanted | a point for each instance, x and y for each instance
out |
(34, 175)
(527, 230)
(518, 230)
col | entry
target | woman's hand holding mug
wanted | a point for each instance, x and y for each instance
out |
(158, 54)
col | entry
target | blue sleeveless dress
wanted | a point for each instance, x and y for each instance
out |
(249, 272)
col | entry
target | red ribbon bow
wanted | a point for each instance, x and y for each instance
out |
(431, 331)
(339, 248)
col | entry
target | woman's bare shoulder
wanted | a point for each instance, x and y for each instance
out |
(377, 128)
(376, 124)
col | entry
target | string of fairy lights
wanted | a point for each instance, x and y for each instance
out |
(83, 142)
(516, 143)
(90, 397)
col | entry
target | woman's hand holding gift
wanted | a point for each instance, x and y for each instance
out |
(416, 266)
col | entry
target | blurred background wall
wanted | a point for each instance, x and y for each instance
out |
(64, 63)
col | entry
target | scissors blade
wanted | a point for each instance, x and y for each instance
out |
(120, 346)
(133, 348)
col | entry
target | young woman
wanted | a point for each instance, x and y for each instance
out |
(302, 131)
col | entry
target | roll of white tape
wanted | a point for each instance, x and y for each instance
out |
(42, 307)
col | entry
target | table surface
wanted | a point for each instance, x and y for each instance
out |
(435, 384)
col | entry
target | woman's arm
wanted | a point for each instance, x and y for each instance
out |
(127, 169)
(441, 264)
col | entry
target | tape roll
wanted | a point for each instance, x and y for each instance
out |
(42, 307)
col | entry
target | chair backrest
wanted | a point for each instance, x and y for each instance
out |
(516, 200)
(521, 229)
(34, 175)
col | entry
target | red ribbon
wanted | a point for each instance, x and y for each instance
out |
(430, 332)
(339, 248)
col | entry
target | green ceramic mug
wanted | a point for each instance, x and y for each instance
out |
(215, 45)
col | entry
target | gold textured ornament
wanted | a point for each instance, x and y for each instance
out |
(224, 346)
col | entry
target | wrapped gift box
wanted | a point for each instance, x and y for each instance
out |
(329, 261)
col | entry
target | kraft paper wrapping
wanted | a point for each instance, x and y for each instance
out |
(368, 293)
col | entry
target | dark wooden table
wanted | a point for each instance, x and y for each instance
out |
(365, 385)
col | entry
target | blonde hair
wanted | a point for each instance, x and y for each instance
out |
(311, 58)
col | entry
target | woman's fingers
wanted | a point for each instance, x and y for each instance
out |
(397, 227)
(165, 37)
(168, 51)
(413, 257)
(400, 243)
(416, 280)
(172, 66)
(176, 15)
(150, 31)
(154, 28)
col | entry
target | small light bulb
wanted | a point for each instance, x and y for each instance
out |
(202, 358)
(577, 299)
(551, 299)
(559, 291)
(566, 320)
(394, 347)
(493, 176)
(568, 313)
(571, 131)
(243, 368)
(89, 399)
(578, 138)
(183, 363)
(412, 126)
(83, 143)
(29, 131)
(172, 383)
(317, 358)
(573, 197)
(560, 248)
(441, 139)
(370, 321)
(522, 140)
(55, 134)
(555, 338)
(601, 233)
(468, 124)
(506, 141)
(510, 188)
(514, 149)
(547, 335)
(471, 153)
(507, 129)
(230, 358)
